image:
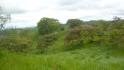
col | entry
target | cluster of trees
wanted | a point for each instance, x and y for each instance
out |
(12, 39)
(80, 33)
(77, 34)
(18, 40)
(48, 29)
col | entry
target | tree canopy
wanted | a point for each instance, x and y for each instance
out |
(74, 22)
(48, 25)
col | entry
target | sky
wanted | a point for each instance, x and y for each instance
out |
(26, 13)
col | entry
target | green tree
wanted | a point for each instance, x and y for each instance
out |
(74, 22)
(48, 29)
(48, 25)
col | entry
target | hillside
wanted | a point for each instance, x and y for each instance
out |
(76, 45)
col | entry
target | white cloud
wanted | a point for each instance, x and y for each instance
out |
(28, 12)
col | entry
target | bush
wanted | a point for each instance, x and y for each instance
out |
(46, 40)
(15, 44)
(116, 38)
(88, 32)
(73, 38)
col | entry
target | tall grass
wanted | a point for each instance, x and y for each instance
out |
(81, 59)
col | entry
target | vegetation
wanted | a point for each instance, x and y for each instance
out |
(90, 58)
(73, 38)
(74, 23)
(48, 25)
(76, 45)
(15, 44)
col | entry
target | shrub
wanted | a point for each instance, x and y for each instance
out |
(88, 33)
(73, 38)
(15, 44)
(46, 40)
(116, 38)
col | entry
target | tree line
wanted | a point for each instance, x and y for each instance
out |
(77, 34)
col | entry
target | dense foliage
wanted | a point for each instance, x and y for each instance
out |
(77, 45)
(15, 44)
(73, 38)
(48, 25)
(74, 22)
(79, 34)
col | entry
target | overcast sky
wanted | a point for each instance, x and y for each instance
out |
(26, 13)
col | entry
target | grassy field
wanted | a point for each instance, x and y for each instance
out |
(91, 58)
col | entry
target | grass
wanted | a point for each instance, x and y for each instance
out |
(91, 58)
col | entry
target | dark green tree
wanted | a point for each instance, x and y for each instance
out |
(74, 23)
(48, 25)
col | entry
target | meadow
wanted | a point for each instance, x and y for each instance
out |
(95, 58)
